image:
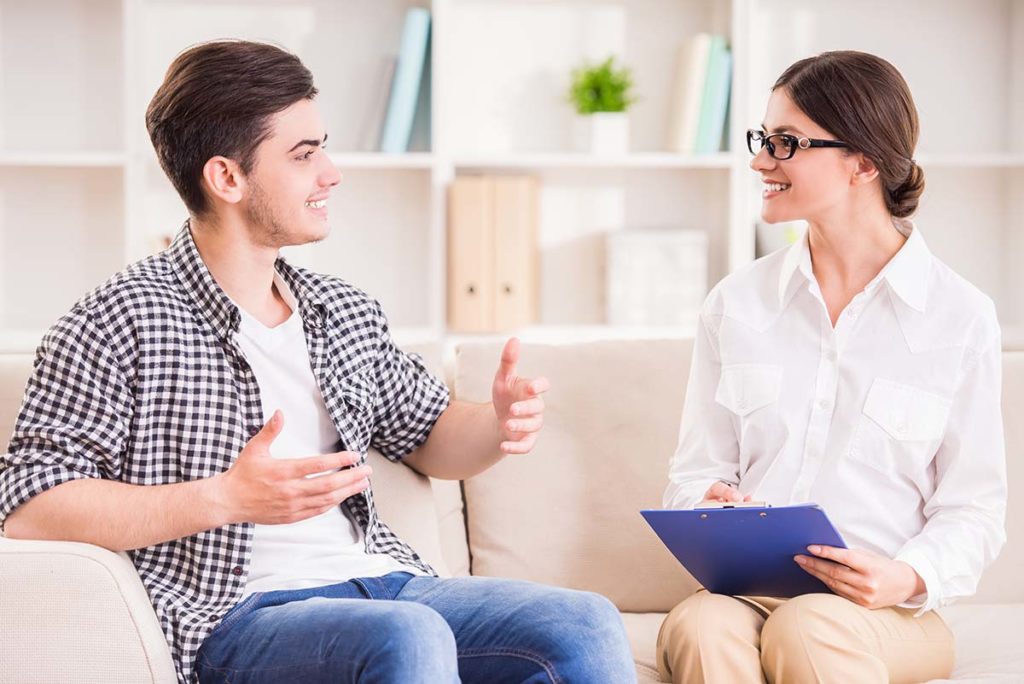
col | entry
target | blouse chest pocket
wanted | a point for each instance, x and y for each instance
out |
(901, 427)
(750, 391)
(744, 388)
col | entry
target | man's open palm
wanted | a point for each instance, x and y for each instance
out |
(517, 403)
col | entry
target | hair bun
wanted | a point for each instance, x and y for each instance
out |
(902, 201)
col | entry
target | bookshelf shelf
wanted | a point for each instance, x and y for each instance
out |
(381, 160)
(638, 160)
(63, 159)
(495, 107)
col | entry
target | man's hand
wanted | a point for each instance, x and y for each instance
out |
(864, 577)
(261, 489)
(517, 403)
(720, 491)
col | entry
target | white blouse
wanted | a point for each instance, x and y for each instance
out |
(890, 421)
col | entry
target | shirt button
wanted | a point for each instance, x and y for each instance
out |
(824, 404)
(213, 618)
(901, 428)
(237, 570)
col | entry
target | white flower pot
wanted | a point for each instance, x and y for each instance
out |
(602, 133)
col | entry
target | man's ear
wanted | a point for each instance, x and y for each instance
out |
(223, 179)
(865, 171)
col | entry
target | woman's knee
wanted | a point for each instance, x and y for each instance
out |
(792, 629)
(706, 616)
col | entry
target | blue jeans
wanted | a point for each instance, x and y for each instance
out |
(406, 629)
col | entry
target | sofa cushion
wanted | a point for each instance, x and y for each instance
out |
(988, 641)
(568, 513)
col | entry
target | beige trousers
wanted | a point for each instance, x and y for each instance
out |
(811, 638)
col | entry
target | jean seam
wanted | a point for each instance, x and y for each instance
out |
(234, 670)
(548, 666)
(235, 613)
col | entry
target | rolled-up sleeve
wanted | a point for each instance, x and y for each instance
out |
(708, 449)
(411, 399)
(965, 527)
(74, 419)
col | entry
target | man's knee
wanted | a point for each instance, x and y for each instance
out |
(585, 637)
(408, 628)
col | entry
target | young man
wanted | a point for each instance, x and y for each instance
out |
(209, 410)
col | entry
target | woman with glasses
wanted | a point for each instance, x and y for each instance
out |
(853, 370)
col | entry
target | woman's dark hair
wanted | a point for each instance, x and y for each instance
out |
(864, 101)
(217, 99)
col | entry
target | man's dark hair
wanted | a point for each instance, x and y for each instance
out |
(217, 99)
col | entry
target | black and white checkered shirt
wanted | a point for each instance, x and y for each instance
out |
(144, 382)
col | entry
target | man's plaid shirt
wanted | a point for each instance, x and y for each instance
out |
(144, 382)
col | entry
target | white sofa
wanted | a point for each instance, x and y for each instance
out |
(566, 514)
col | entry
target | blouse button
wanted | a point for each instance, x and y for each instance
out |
(237, 570)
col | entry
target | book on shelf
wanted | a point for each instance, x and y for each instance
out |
(714, 106)
(372, 126)
(419, 138)
(402, 104)
(700, 95)
(492, 253)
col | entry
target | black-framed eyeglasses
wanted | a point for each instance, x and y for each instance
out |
(783, 146)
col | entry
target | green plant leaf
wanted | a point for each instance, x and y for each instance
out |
(601, 88)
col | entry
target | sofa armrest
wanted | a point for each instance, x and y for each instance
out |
(72, 612)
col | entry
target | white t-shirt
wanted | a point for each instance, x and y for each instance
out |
(324, 549)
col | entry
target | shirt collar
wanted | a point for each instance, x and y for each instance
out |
(212, 302)
(906, 273)
(797, 258)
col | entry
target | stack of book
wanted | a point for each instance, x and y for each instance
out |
(398, 118)
(700, 96)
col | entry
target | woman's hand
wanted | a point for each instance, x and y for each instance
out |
(726, 493)
(866, 578)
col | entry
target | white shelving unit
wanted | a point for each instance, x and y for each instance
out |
(81, 194)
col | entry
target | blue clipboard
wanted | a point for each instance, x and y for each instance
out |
(747, 551)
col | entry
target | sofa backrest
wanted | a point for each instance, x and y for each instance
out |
(14, 372)
(567, 514)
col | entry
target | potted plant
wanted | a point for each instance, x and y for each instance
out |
(601, 94)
